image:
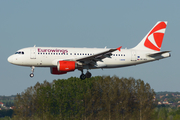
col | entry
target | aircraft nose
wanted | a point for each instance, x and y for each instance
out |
(10, 59)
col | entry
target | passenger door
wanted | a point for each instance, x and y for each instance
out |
(33, 53)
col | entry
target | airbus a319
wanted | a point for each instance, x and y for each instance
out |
(62, 60)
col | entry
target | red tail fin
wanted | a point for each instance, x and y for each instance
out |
(155, 37)
(153, 40)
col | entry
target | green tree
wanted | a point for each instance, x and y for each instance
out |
(162, 114)
(98, 97)
(144, 96)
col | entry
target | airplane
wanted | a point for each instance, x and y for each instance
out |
(62, 60)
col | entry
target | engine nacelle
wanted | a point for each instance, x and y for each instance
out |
(66, 66)
(55, 71)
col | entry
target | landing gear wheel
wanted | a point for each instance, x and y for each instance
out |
(31, 75)
(83, 76)
(32, 71)
(88, 74)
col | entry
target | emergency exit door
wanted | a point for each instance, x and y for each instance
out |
(133, 56)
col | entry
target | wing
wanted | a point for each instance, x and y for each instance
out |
(97, 57)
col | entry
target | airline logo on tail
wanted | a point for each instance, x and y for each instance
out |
(155, 37)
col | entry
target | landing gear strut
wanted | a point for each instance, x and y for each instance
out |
(84, 76)
(32, 72)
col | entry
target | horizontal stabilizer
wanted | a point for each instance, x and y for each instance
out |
(158, 54)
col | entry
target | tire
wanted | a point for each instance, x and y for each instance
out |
(88, 74)
(31, 75)
(82, 76)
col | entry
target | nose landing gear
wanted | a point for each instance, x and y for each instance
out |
(32, 72)
(31, 75)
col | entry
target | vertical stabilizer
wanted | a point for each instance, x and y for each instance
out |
(153, 40)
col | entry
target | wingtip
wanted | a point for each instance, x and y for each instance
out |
(119, 48)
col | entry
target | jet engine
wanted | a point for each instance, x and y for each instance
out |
(55, 71)
(66, 66)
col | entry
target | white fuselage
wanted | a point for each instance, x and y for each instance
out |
(49, 56)
(63, 60)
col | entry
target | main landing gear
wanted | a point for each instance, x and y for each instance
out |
(32, 72)
(84, 76)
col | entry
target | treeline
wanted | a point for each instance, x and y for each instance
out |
(166, 113)
(8, 101)
(166, 92)
(159, 113)
(96, 98)
(7, 97)
(4, 113)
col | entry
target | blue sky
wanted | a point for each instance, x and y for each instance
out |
(87, 24)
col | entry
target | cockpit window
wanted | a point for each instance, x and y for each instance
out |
(19, 52)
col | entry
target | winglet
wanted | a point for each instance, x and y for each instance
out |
(119, 48)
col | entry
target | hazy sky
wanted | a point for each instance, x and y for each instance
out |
(93, 23)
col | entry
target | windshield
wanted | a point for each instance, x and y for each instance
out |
(19, 52)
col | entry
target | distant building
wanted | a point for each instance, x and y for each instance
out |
(1, 104)
(11, 107)
(161, 96)
(159, 103)
(170, 103)
(165, 102)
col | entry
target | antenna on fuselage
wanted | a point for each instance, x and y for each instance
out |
(34, 45)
